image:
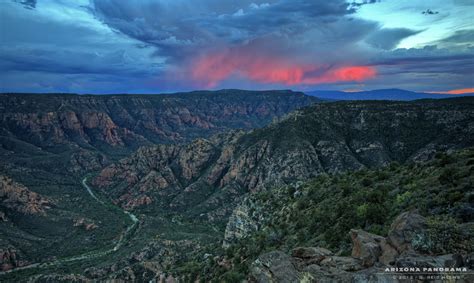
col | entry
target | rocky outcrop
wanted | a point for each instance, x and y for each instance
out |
(374, 259)
(10, 258)
(170, 174)
(16, 198)
(314, 255)
(274, 266)
(86, 161)
(404, 230)
(240, 224)
(366, 247)
(147, 264)
(86, 224)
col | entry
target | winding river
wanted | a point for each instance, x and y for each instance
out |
(90, 255)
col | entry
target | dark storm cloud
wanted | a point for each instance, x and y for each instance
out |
(68, 62)
(278, 41)
(461, 36)
(136, 45)
(425, 68)
(358, 4)
(29, 4)
(427, 54)
(389, 38)
(214, 23)
(59, 46)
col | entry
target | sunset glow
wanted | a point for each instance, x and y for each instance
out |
(344, 74)
(460, 91)
(170, 46)
(454, 91)
(211, 69)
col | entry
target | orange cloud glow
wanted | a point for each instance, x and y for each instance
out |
(212, 69)
(454, 91)
(344, 74)
(460, 91)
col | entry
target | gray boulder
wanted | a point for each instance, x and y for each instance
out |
(404, 229)
(366, 247)
(275, 266)
(311, 254)
(342, 263)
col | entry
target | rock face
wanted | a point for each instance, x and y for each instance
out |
(240, 224)
(367, 263)
(316, 255)
(16, 201)
(332, 137)
(16, 198)
(9, 258)
(275, 266)
(171, 174)
(81, 133)
(124, 120)
(87, 224)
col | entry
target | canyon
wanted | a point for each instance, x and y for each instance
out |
(198, 171)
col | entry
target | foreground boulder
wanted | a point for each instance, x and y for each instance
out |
(371, 248)
(374, 259)
(366, 247)
(315, 255)
(275, 266)
(404, 230)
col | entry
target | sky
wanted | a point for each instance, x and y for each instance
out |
(155, 46)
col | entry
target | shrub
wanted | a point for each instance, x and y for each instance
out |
(366, 182)
(447, 176)
(233, 277)
(361, 210)
(402, 199)
(375, 214)
(442, 236)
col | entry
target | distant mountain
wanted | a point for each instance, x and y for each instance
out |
(379, 94)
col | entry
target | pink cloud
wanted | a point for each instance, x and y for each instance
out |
(213, 68)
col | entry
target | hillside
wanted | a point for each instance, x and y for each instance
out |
(344, 227)
(424, 209)
(92, 129)
(200, 178)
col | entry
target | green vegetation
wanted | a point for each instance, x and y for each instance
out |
(322, 211)
(186, 239)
